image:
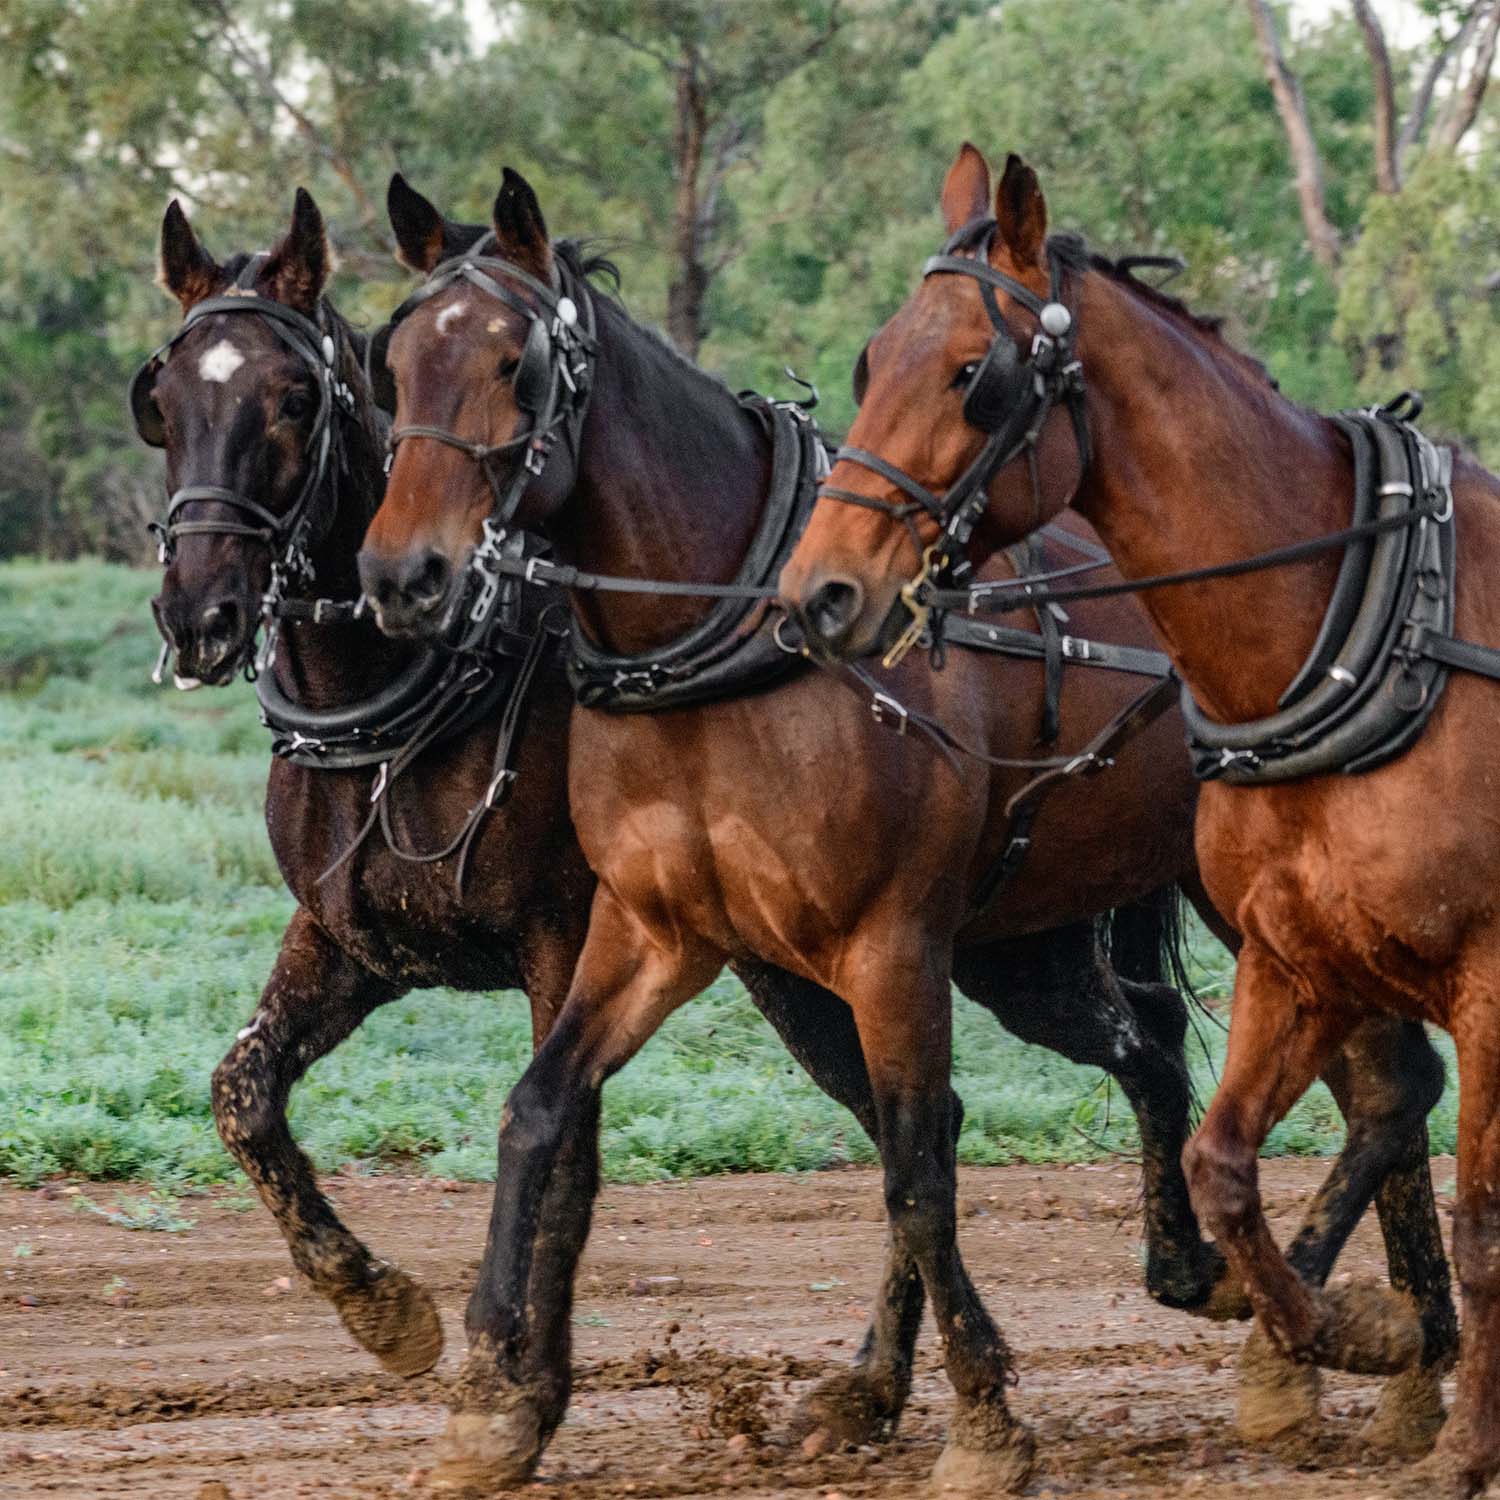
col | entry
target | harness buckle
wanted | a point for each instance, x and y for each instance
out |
(882, 704)
(497, 789)
(1075, 648)
(1228, 759)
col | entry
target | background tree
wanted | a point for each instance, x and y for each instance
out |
(766, 173)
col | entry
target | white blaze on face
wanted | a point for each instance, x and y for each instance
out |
(220, 362)
(450, 315)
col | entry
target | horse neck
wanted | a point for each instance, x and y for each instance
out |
(1201, 461)
(325, 665)
(672, 478)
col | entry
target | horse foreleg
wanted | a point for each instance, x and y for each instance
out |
(1468, 1452)
(903, 1008)
(1279, 1039)
(1386, 1080)
(316, 997)
(863, 1403)
(513, 1388)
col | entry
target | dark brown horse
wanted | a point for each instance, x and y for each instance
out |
(785, 827)
(234, 406)
(1356, 894)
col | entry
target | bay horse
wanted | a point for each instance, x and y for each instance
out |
(1357, 895)
(782, 826)
(237, 409)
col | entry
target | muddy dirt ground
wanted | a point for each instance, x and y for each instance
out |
(190, 1366)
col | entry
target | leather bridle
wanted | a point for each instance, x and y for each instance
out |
(292, 534)
(552, 382)
(1008, 398)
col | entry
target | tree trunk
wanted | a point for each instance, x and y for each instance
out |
(1322, 237)
(689, 280)
(1387, 173)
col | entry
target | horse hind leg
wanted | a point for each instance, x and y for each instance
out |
(316, 996)
(1056, 990)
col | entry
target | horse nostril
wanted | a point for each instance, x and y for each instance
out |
(428, 580)
(834, 607)
(220, 622)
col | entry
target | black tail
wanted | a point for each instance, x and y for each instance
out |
(1146, 941)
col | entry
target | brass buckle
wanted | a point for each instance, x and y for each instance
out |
(921, 613)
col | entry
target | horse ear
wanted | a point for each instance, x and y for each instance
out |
(188, 271)
(1021, 213)
(298, 269)
(520, 229)
(419, 227)
(966, 189)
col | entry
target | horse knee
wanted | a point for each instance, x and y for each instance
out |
(1221, 1180)
(1476, 1249)
(246, 1107)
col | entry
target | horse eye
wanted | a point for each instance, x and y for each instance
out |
(508, 368)
(295, 405)
(966, 373)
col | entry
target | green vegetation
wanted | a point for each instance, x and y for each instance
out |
(766, 172)
(140, 911)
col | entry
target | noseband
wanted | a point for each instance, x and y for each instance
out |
(292, 534)
(1007, 398)
(552, 381)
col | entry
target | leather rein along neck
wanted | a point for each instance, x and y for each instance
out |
(294, 533)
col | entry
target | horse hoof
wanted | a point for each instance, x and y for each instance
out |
(396, 1319)
(1408, 1416)
(1447, 1473)
(850, 1407)
(988, 1453)
(1368, 1329)
(1277, 1395)
(482, 1452)
(1227, 1301)
(1184, 1281)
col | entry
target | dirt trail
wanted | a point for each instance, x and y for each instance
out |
(167, 1365)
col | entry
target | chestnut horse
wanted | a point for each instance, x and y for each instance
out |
(784, 826)
(235, 407)
(1356, 894)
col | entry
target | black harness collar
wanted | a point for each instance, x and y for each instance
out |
(292, 535)
(1008, 398)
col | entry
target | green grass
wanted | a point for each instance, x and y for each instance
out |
(140, 911)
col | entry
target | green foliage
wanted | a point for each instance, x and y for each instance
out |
(140, 912)
(826, 131)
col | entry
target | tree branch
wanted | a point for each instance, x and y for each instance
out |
(1387, 167)
(1460, 117)
(1322, 237)
(1421, 104)
(308, 128)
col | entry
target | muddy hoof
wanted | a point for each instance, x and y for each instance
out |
(396, 1319)
(988, 1453)
(1223, 1302)
(1277, 1395)
(1446, 1473)
(850, 1407)
(482, 1452)
(1368, 1329)
(1408, 1417)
